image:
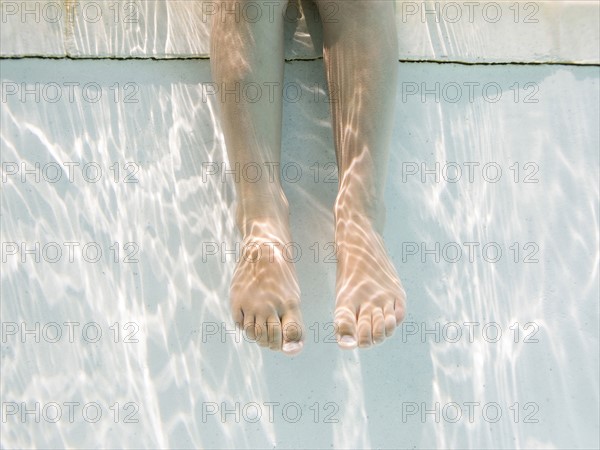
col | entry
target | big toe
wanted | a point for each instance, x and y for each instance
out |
(345, 324)
(274, 332)
(292, 333)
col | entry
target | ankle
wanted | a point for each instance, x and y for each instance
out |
(269, 221)
(267, 229)
(263, 214)
(362, 217)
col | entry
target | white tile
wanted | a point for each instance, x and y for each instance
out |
(504, 31)
(161, 29)
(499, 31)
(32, 28)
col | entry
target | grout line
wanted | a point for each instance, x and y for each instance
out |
(503, 63)
(317, 58)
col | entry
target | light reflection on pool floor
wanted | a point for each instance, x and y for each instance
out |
(175, 292)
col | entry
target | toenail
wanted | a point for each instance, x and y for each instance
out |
(292, 347)
(347, 342)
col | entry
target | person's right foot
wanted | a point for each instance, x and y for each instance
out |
(265, 295)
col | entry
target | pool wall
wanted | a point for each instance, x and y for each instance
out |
(118, 237)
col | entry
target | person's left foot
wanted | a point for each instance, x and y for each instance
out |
(370, 299)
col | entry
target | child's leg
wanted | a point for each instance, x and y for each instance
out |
(246, 53)
(361, 58)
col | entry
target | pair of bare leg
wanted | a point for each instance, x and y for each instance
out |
(360, 53)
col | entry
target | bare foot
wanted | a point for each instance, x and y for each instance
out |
(370, 299)
(265, 296)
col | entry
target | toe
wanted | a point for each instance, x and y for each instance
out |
(365, 336)
(291, 329)
(399, 310)
(238, 317)
(249, 327)
(345, 323)
(274, 332)
(378, 326)
(390, 319)
(261, 332)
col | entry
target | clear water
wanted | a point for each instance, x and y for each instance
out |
(174, 296)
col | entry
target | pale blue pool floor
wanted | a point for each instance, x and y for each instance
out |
(533, 157)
